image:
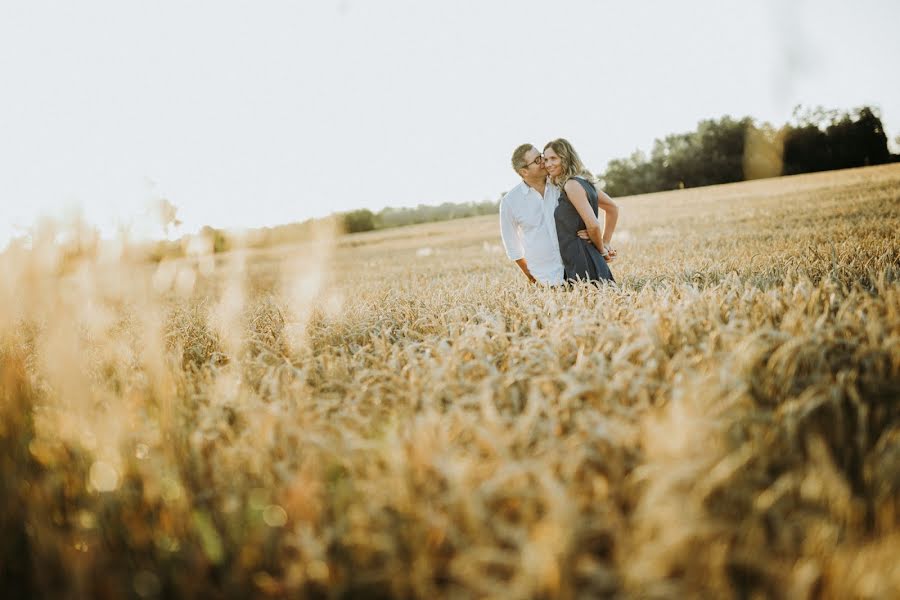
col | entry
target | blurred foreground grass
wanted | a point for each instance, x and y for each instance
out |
(396, 415)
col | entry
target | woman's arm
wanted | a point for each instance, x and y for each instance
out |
(578, 198)
(611, 212)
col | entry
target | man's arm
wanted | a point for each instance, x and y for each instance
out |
(509, 232)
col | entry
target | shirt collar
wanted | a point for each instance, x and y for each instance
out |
(523, 185)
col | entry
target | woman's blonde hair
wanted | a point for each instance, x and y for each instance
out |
(571, 162)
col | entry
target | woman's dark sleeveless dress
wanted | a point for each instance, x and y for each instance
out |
(580, 258)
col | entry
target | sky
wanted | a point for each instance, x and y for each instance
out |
(247, 114)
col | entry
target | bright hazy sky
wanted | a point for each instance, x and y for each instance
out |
(249, 113)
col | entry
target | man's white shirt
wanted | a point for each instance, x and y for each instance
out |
(528, 229)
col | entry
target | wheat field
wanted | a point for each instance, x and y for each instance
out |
(396, 414)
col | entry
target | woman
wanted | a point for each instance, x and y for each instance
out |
(579, 202)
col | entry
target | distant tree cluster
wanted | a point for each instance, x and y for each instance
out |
(729, 150)
(823, 141)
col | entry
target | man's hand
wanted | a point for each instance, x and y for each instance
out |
(583, 234)
(524, 266)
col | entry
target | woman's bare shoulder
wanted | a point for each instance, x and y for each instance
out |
(573, 185)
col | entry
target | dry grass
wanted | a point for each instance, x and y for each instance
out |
(396, 415)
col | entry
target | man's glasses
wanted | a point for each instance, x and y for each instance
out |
(538, 160)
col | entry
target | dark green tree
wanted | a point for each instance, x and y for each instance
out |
(824, 140)
(359, 220)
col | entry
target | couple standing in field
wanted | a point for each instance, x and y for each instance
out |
(549, 221)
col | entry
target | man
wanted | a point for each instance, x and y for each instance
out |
(527, 225)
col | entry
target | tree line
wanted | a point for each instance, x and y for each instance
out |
(724, 150)
(366, 220)
(729, 150)
(355, 221)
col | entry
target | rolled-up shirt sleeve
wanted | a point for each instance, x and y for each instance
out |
(509, 231)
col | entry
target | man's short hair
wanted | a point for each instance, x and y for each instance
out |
(518, 157)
